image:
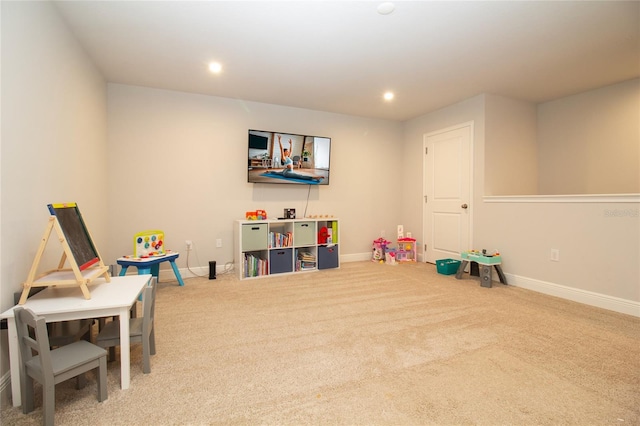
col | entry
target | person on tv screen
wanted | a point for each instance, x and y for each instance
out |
(285, 155)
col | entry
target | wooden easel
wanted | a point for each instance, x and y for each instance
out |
(75, 275)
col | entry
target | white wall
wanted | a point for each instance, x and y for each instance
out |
(53, 138)
(511, 155)
(599, 245)
(589, 143)
(599, 242)
(178, 162)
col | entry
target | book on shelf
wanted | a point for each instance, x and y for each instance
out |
(305, 260)
(255, 266)
(307, 256)
(304, 266)
(278, 239)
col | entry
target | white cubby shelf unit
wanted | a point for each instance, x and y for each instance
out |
(286, 246)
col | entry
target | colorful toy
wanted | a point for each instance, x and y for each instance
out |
(379, 249)
(323, 235)
(406, 250)
(390, 256)
(482, 257)
(256, 215)
(148, 244)
(486, 262)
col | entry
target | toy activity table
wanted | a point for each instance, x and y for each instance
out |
(150, 265)
(487, 264)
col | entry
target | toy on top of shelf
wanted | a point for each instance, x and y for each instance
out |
(256, 215)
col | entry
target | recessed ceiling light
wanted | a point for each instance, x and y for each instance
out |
(386, 8)
(388, 96)
(215, 67)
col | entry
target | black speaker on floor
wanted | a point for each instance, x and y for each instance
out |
(212, 270)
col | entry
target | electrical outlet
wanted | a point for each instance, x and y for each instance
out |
(219, 242)
(189, 244)
(555, 255)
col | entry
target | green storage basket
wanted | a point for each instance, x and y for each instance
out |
(447, 266)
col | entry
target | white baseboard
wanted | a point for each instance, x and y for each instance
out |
(196, 271)
(598, 300)
(203, 271)
(192, 271)
(357, 257)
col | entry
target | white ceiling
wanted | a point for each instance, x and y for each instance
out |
(340, 56)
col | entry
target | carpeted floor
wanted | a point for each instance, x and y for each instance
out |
(368, 344)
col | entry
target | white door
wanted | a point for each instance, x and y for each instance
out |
(447, 193)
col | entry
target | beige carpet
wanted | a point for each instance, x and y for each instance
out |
(368, 344)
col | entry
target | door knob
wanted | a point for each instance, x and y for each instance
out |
(464, 206)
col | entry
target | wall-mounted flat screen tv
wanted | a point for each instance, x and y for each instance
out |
(288, 158)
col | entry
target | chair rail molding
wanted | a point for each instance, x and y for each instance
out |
(571, 198)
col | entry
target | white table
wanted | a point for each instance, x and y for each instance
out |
(68, 303)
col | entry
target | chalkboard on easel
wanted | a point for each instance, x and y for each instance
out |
(76, 233)
(78, 249)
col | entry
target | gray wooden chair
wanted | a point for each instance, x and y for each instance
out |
(63, 332)
(141, 330)
(50, 367)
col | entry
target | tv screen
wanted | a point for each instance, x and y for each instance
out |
(287, 158)
(258, 142)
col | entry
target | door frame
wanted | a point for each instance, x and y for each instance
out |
(471, 125)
